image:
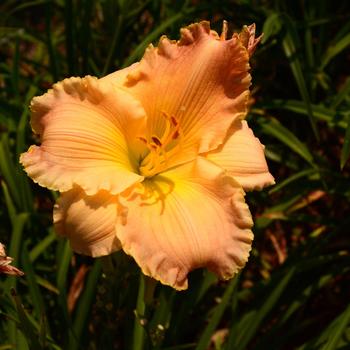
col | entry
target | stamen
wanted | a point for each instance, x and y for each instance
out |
(156, 140)
(176, 135)
(160, 148)
(143, 140)
(174, 121)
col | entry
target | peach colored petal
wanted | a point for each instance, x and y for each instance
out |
(86, 128)
(189, 217)
(247, 37)
(242, 155)
(202, 81)
(87, 221)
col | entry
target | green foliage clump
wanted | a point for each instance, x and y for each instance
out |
(294, 292)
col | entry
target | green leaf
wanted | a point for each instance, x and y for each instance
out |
(320, 112)
(342, 94)
(272, 26)
(34, 290)
(274, 128)
(138, 51)
(25, 324)
(139, 332)
(43, 245)
(290, 44)
(84, 306)
(246, 332)
(11, 209)
(69, 24)
(335, 49)
(22, 125)
(64, 256)
(332, 335)
(345, 152)
(291, 179)
(8, 170)
(115, 40)
(15, 69)
(218, 312)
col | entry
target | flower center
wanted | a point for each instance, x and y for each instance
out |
(161, 148)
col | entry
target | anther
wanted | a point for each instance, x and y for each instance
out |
(161, 148)
(142, 139)
(176, 135)
(156, 140)
(174, 121)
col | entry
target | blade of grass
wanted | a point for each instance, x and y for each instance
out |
(11, 209)
(22, 125)
(272, 26)
(208, 280)
(88, 7)
(15, 69)
(69, 16)
(24, 6)
(36, 296)
(138, 51)
(54, 67)
(345, 152)
(161, 317)
(15, 245)
(34, 290)
(46, 284)
(115, 40)
(23, 184)
(342, 94)
(42, 245)
(291, 179)
(332, 335)
(335, 49)
(64, 256)
(25, 325)
(139, 332)
(270, 214)
(8, 170)
(218, 312)
(188, 301)
(290, 44)
(274, 128)
(17, 234)
(243, 337)
(320, 112)
(84, 306)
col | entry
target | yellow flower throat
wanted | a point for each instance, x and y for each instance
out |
(161, 149)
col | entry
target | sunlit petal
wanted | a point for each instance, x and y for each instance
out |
(243, 157)
(87, 221)
(85, 128)
(192, 216)
(248, 39)
(202, 81)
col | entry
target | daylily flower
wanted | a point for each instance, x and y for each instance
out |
(5, 264)
(154, 159)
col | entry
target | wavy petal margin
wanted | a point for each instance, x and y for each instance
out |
(87, 221)
(190, 217)
(202, 81)
(242, 155)
(85, 127)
